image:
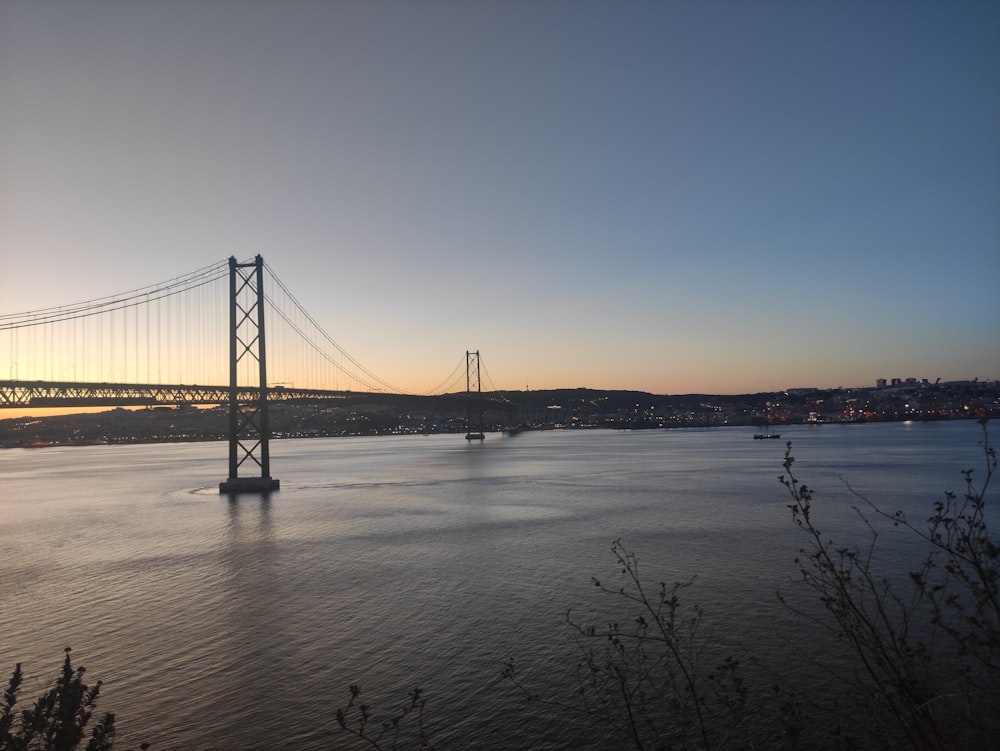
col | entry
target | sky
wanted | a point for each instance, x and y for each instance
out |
(674, 197)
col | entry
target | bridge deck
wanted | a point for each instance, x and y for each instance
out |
(71, 394)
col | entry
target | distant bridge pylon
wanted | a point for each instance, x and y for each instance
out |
(474, 398)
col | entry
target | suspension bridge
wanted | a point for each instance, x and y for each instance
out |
(160, 345)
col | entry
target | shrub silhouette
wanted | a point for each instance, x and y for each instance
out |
(58, 719)
(926, 651)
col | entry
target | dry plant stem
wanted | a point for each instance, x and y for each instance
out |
(386, 736)
(645, 682)
(665, 624)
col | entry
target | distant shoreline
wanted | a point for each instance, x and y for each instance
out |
(126, 440)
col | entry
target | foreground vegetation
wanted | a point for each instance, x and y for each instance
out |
(918, 656)
(58, 719)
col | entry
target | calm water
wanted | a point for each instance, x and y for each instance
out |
(396, 561)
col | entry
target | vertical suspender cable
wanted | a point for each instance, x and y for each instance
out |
(123, 378)
(168, 341)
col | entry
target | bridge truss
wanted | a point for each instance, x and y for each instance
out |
(39, 394)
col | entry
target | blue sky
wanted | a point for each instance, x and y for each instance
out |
(675, 197)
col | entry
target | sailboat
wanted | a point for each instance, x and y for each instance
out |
(767, 427)
(766, 434)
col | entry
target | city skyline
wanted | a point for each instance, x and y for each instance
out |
(719, 198)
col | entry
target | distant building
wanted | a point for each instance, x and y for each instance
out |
(880, 383)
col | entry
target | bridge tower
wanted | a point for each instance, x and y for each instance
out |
(248, 425)
(475, 430)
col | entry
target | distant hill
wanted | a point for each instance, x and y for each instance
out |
(377, 414)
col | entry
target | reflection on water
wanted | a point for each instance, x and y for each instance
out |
(240, 623)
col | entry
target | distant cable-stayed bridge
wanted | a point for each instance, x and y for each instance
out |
(178, 341)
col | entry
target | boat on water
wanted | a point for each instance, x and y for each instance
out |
(766, 423)
(760, 436)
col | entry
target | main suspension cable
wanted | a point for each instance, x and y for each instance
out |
(374, 378)
(114, 303)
